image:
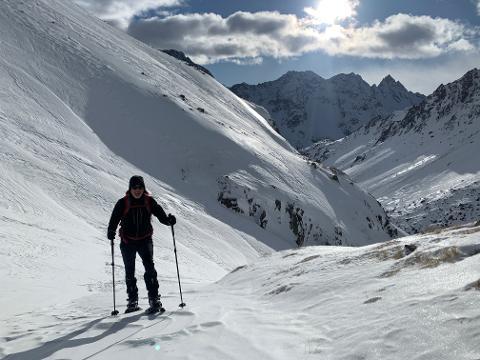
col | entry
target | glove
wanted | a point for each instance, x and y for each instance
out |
(111, 235)
(171, 219)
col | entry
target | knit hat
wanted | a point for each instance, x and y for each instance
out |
(136, 180)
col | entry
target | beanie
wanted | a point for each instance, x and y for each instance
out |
(136, 180)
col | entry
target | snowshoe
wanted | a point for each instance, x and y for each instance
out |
(155, 306)
(132, 306)
(155, 310)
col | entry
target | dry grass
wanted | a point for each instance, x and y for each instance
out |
(449, 254)
(308, 259)
(469, 231)
(434, 229)
(372, 300)
(427, 260)
(238, 268)
(437, 229)
(473, 286)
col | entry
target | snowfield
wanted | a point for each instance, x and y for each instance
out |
(83, 107)
(375, 302)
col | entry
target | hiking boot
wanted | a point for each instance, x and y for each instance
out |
(155, 303)
(132, 305)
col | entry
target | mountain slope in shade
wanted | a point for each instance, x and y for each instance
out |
(418, 162)
(306, 107)
(83, 107)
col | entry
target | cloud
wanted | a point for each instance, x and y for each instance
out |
(246, 37)
(424, 76)
(403, 36)
(120, 12)
(242, 36)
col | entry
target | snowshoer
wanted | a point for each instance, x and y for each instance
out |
(134, 212)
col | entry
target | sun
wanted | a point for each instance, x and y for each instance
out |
(332, 11)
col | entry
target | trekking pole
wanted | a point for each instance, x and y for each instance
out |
(182, 304)
(115, 311)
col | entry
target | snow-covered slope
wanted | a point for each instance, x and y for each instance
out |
(306, 108)
(83, 107)
(414, 298)
(418, 162)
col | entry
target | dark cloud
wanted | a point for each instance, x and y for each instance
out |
(259, 23)
(209, 37)
(409, 34)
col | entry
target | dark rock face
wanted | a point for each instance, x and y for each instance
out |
(181, 56)
(289, 218)
(230, 195)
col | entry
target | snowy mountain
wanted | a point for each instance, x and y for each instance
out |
(83, 106)
(418, 162)
(307, 108)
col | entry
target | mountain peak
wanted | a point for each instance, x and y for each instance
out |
(302, 75)
(461, 90)
(389, 81)
(347, 77)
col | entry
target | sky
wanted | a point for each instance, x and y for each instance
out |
(422, 43)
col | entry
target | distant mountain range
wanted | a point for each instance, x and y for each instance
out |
(418, 162)
(306, 108)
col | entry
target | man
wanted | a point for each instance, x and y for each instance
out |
(134, 212)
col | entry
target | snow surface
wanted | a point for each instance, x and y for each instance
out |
(82, 108)
(375, 302)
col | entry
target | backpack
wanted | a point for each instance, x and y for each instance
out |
(147, 204)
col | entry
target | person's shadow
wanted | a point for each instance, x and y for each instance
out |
(68, 341)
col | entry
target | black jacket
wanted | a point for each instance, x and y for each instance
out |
(136, 223)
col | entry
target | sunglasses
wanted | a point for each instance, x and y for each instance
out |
(137, 187)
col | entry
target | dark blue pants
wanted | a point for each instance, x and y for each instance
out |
(145, 250)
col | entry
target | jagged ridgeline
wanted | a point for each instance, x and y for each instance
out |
(306, 108)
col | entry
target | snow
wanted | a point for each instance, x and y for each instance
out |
(418, 163)
(82, 108)
(374, 302)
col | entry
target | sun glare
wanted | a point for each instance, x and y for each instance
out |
(332, 11)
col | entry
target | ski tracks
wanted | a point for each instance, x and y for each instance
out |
(98, 338)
